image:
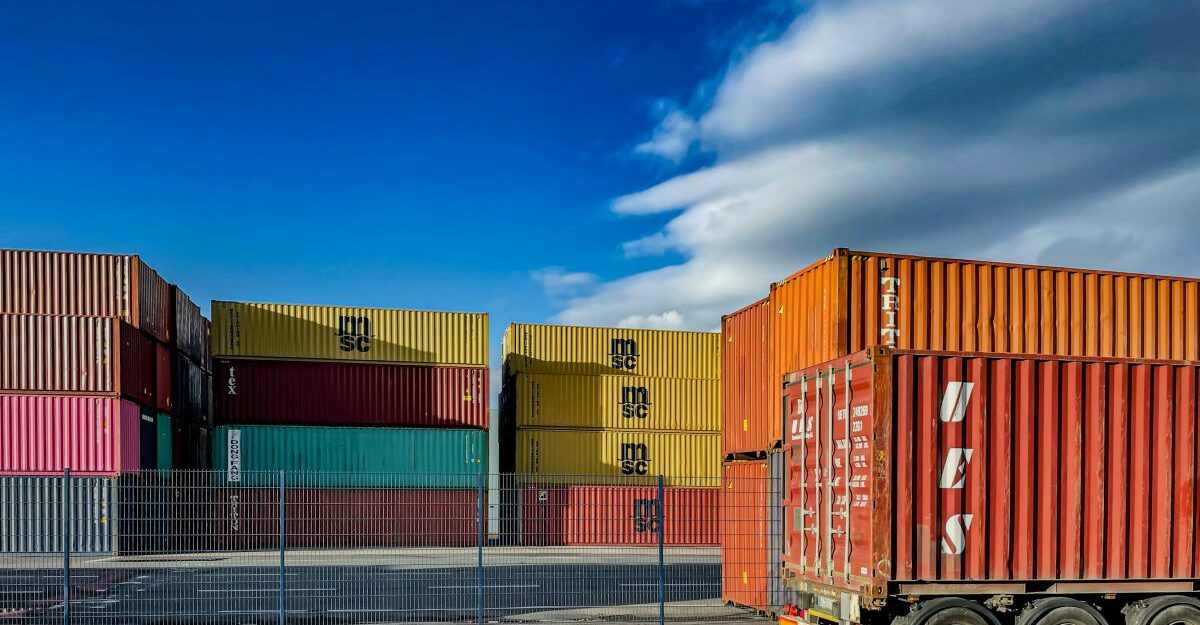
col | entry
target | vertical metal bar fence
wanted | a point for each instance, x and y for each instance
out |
(66, 545)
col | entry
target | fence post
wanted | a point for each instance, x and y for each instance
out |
(662, 568)
(282, 543)
(480, 518)
(66, 545)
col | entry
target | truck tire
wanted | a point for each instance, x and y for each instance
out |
(1175, 610)
(951, 611)
(1061, 611)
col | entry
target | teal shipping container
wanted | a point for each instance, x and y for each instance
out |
(348, 457)
(162, 427)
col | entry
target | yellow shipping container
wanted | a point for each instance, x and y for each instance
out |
(618, 402)
(575, 350)
(297, 331)
(583, 456)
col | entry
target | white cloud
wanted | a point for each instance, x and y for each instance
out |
(558, 283)
(669, 320)
(672, 138)
(1058, 132)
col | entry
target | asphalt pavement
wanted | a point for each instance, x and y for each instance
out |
(518, 584)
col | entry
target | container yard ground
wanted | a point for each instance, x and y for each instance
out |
(521, 584)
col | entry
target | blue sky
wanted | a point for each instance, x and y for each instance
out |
(642, 163)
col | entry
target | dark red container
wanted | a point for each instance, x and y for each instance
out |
(276, 392)
(248, 518)
(617, 515)
(947, 467)
(164, 396)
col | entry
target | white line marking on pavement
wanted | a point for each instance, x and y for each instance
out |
(244, 574)
(21, 592)
(266, 590)
(693, 584)
(490, 586)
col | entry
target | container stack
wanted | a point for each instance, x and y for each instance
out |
(104, 372)
(590, 417)
(851, 302)
(380, 416)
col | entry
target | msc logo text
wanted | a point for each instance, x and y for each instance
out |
(623, 354)
(645, 515)
(635, 459)
(635, 402)
(354, 333)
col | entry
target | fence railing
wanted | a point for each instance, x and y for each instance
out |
(200, 547)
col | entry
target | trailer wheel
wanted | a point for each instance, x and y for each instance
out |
(1061, 611)
(951, 611)
(1169, 610)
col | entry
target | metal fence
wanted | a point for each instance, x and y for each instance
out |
(205, 547)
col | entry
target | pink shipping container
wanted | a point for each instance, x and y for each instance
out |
(617, 515)
(44, 434)
(86, 355)
(94, 285)
(940, 473)
(348, 393)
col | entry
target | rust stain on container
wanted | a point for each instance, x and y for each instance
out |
(991, 467)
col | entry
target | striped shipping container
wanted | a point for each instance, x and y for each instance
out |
(581, 456)
(31, 515)
(350, 393)
(617, 402)
(574, 350)
(617, 515)
(44, 434)
(295, 331)
(94, 285)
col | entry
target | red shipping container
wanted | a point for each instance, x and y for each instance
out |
(248, 518)
(87, 355)
(44, 434)
(274, 392)
(747, 411)
(943, 467)
(617, 515)
(743, 530)
(164, 383)
(93, 285)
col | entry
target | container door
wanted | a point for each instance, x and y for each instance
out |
(148, 437)
(828, 508)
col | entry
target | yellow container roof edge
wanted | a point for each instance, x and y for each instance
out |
(382, 308)
(618, 329)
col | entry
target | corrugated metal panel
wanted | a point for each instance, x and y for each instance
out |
(619, 402)
(164, 393)
(31, 514)
(1012, 462)
(190, 446)
(192, 390)
(68, 354)
(350, 457)
(574, 456)
(778, 595)
(345, 393)
(750, 420)
(139, 366)
(743, 533)
(191, 329)
(248, 518)
(93, 285)
(617, 515)
(165, 450)
(251, 330)
(573, 350)
(44, 434)
(853, 300)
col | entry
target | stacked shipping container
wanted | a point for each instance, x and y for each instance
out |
(851, 301)
(357, 407)
(88, 377)
(591, 416)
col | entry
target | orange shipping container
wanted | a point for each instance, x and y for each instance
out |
(850, 301)
(743, 533)
(745, 386)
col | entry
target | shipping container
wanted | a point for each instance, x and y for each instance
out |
(192, 390)
(574, 350)
(912, 473)
(850, 301)
(318, 456)
(582, 456)
(324, 518)
(617, 515)
(743, 534)
(295, 331)
(779, 596)
(190, 446)
(31, 514)
(619, 402)
(191, 329)
(44, 434)
(90, 285)
(91, 355)
(164, 381)
(746, 387)
(350, 393)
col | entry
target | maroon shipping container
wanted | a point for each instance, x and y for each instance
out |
(248, 518)
(94, 285)
(191, 329)
(164, 383)
(44, 434)
(40, 354)
(347, 393)
(982, 473)
(617, 515)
